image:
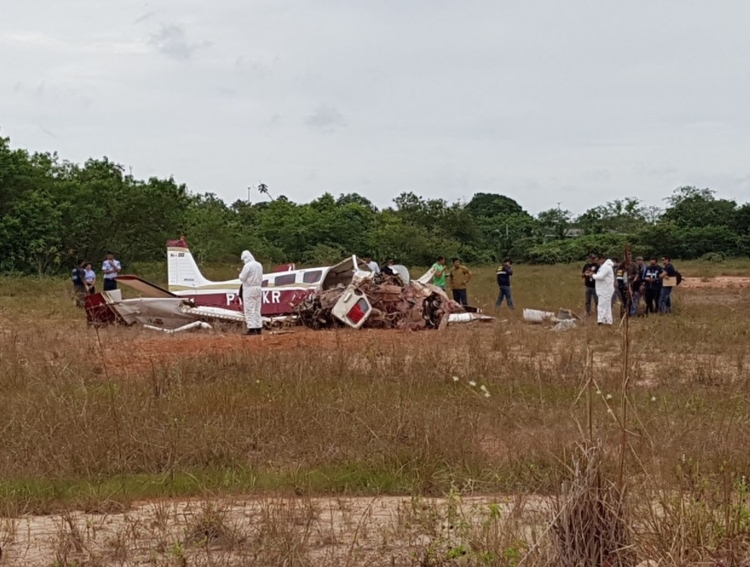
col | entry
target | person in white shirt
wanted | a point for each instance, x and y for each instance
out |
(111, 268)
(374, 268)
(604, 278)
(251, 277)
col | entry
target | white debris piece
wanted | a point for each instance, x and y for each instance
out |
(564, 325)
(189, 326)
(537, 316)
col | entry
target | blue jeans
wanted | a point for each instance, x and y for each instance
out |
(504, 294)
(665, 300)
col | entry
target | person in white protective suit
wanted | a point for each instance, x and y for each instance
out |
(604, 280)
(251, 277)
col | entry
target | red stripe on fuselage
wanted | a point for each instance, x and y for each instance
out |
(276, 302)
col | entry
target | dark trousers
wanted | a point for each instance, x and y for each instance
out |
(652, 300)
(504, 294)
(591, 296)
(110, 284)
(460, 297)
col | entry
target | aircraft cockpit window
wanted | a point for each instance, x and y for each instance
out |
(312, 277)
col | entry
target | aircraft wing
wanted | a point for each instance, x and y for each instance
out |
(147, 289)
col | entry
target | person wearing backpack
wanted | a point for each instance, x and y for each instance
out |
(78, 277)
(670, 278)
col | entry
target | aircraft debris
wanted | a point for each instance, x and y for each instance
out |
(564, 319)
(189, 326)
(384, 302)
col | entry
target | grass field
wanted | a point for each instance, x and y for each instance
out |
(476, 427)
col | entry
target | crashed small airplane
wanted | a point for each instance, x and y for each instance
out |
(191, 299)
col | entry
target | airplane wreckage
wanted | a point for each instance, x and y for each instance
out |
(347, 294)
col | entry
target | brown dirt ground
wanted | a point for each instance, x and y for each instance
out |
(722, 282)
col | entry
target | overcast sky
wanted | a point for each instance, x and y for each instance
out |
(576, 102)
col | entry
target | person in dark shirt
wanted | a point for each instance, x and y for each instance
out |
(504, 274)
(652, 284)
(637, 287)
(387, 268)
(78, 277)
(669, 278)
(588, 281)
(621, 281)
(627, 275)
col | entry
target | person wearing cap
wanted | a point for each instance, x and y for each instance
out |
(111, 267)
(589, 269)
(637, 285)
(652, 283)
(78, 278)
(504, 273)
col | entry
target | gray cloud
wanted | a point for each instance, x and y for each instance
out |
(325, 119)
(172, 41)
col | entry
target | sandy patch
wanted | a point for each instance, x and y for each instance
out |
(721, 282)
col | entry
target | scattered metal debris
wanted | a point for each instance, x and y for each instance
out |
(189, 326)
(384, 302)
(564, 325)
(564, 319)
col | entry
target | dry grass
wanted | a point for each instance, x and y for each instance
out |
(95, 424)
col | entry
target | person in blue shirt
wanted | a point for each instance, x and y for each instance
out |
(111, 267)
(504, 274)
(90, 278)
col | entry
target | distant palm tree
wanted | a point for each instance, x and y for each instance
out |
(263, 190)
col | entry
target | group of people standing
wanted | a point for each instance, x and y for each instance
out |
(606, 280)
(83, 277)
(459, 277)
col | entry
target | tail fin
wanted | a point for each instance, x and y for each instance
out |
(182, 271)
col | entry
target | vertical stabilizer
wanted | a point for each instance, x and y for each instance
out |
(182, 271)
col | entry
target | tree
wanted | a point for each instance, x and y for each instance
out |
(553, 223)
(491, 205)
(621, 216)
(357, 199)
(697, 208)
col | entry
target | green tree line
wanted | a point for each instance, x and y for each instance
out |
(53, 211)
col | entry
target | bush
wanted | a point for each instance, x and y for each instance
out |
(715, 257)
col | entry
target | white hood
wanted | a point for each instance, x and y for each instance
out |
(246, 257)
